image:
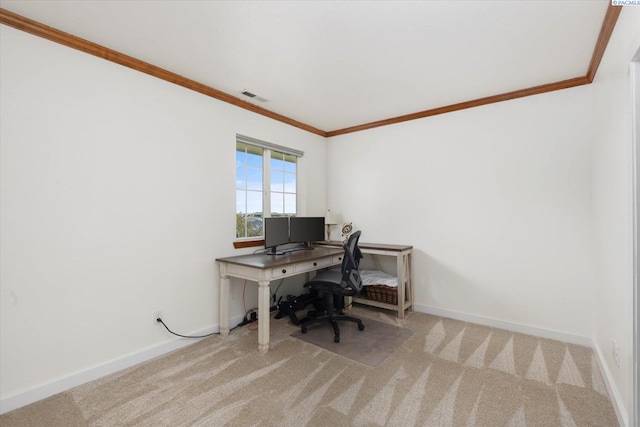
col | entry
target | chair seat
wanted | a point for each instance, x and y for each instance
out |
(329, 276)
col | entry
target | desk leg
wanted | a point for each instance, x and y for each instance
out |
(224, 305)
(348, 303)
(409, 278)
(401, 270)
(263, 316)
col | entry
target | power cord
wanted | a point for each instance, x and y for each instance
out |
(250, 316)
(159, 320)
(274, 294)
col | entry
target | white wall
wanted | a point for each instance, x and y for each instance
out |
(117, 194)
(496, 202)
(520, 212)
(612, 204)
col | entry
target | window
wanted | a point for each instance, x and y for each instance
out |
(266, 185)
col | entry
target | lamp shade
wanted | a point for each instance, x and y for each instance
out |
(329, 218)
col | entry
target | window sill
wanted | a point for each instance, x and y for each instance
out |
(248, 243)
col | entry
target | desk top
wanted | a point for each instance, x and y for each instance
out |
(264, 261)
(379, 246)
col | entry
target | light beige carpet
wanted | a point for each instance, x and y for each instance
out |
(448, 373)
(371, 346)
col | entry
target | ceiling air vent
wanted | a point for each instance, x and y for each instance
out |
(254, 96)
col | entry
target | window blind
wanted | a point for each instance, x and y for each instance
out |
(268, 145)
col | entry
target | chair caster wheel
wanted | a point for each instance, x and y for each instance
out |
(336, 339)
(361, 326)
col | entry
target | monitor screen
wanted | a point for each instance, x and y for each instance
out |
(306, 229)
(276, 231)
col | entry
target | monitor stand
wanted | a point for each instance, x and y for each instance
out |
(272, 251)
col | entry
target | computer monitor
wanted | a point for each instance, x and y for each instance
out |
(276, 232)
(306, 229)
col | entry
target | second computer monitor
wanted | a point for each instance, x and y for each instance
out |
(306, 229)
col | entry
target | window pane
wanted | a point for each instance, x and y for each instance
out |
(241, 179)
(276, 161)
(277, 181)
(277, 203)
(254, 226)
(254, 160)
(241, 204)
(289, 183)
(254, 179)
(290, 204)
(241, 156)
(241, 225)
(290, 163)
(254, 202)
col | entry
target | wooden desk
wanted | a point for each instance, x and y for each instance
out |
(402, 253)
(263, 268)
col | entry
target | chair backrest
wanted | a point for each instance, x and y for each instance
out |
(350, 263)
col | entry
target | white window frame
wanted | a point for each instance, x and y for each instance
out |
(268, 147)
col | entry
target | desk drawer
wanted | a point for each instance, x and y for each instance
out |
(284, 271)
(303, 267)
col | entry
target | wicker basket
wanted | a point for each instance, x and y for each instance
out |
(382, 293)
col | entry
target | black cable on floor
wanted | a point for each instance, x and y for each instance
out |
(193, 336)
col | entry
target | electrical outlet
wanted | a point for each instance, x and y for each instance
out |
(616, 353)
(157, 315)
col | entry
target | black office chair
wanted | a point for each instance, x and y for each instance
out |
(337, 283)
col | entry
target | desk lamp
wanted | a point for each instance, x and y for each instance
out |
(329, 220)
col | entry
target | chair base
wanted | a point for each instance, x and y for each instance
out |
(333, 320)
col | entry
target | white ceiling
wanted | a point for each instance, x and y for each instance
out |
(336, 64)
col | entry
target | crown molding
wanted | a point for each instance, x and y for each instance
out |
(609, 23)
(66, 39)
(536, 90)
(69, 40)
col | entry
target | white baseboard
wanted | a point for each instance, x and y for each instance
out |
(510, 326)
(614, 395)
(68, 382)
